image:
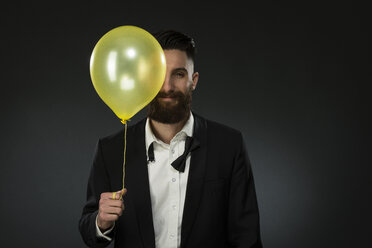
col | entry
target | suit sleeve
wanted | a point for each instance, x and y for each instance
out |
(243, 216)
(98, 182)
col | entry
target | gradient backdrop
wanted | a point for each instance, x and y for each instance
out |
(293, 77)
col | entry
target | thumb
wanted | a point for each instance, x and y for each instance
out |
(119, 194)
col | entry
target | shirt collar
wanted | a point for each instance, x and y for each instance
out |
(187, 130)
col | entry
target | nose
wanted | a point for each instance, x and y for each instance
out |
(167, 85)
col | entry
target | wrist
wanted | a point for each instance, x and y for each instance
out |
(104, 225)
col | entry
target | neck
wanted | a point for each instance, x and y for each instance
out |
(166, 132)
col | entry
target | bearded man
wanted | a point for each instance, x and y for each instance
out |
(189, 182)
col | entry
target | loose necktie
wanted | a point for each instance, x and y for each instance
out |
(180, 163)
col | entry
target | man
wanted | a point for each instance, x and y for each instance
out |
(188, 180)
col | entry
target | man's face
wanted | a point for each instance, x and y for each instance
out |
(173, 102)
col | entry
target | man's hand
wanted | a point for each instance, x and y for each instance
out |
(110, 209)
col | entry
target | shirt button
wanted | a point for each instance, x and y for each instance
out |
(172, 151)
(173, 179)
(174, 207)
(171, 236)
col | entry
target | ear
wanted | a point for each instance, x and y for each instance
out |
(195, 78)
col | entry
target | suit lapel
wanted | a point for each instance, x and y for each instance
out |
(195, 179)
(137, 182)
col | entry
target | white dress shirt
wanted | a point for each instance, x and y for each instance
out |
(167, 186)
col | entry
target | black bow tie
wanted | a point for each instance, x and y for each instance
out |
(180, 163)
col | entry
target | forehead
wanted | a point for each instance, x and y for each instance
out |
(177, 58)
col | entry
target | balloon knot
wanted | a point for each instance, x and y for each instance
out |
(124, 121)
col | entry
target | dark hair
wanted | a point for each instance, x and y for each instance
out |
(170, 39)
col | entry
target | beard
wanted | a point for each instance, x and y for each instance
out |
(171, 112)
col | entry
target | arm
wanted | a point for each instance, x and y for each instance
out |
(99, 233)
(243, 216)
(98, 182)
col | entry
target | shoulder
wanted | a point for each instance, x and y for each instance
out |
(220, 132)
(222, 140)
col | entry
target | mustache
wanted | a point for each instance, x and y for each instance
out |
(173, 94)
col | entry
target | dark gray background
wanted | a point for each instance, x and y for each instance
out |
(292, 77)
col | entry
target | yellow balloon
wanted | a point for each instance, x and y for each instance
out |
(127, 69)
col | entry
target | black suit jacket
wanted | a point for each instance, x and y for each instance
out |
(220, 206)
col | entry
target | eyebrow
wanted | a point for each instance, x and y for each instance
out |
(180, 69)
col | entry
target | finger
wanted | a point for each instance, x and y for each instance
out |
(112, 210)
(117, 195)
(108, 217)
(110, 203)
(112, 195)
(123, 192)
(106, 195)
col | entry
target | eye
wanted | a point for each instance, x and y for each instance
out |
(180, 74)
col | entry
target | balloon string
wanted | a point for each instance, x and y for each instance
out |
(125, 149)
